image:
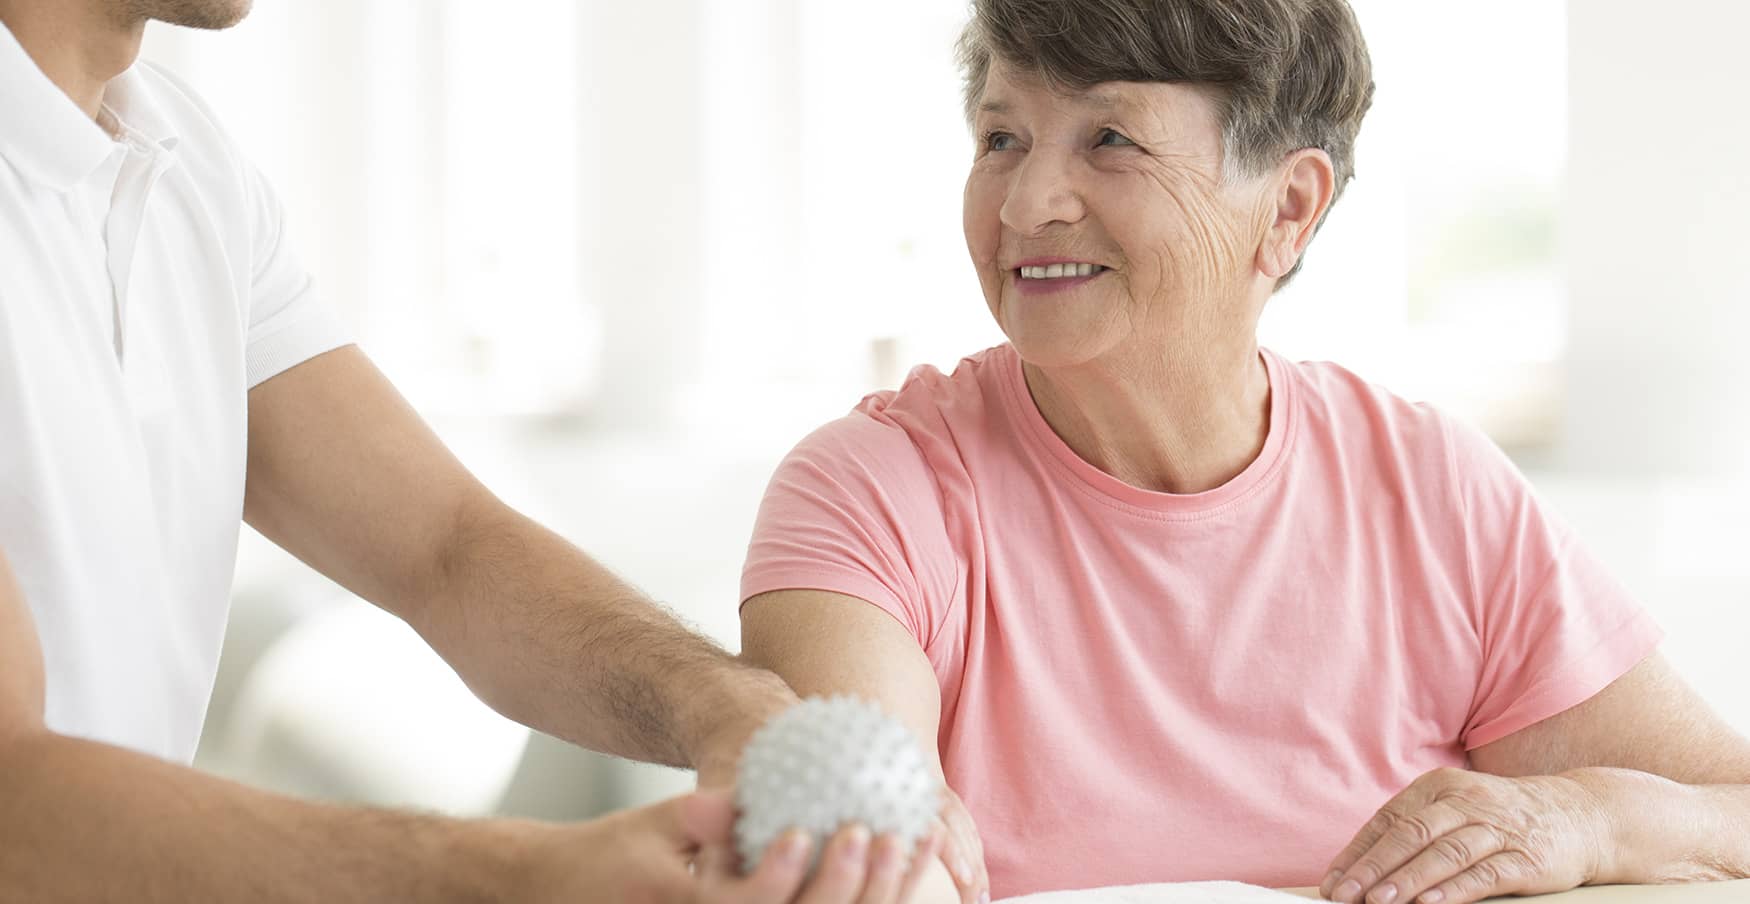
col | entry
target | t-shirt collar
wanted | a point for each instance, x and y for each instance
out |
(47, 138)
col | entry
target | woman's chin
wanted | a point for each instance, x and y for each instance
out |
(1055, 349)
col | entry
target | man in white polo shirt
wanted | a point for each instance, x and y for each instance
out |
(165, 371)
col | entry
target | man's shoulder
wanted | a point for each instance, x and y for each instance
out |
(156, 101)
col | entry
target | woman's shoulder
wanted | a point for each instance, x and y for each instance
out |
(1345, 411)
(1332, 392)
(927, 421)
(932, 402)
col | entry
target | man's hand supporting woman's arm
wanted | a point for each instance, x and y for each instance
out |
(828, 643)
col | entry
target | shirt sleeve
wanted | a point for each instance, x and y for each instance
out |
(853, 509)
(1556, 628)
(288, 323)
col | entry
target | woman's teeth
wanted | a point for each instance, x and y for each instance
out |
(1060, 271)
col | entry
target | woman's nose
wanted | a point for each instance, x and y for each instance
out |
(1041, 193)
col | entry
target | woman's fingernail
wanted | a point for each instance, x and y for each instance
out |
(1433, 897)
(793, 848)
(1330, 883)
(1347, 892)
(1385, 894)
(984, 897)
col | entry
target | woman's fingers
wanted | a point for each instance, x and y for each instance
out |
(1447, 858)
(963, 852)
(928, 850)
(1407, 838)
(1502, 874)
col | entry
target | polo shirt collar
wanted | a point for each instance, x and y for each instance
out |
(46, 137)
(133, 101)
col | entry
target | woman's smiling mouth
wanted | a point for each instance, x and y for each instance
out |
(1039, 277)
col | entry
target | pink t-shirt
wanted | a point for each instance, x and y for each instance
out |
(1144, 687)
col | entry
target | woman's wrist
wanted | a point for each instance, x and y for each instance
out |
(1654, 831)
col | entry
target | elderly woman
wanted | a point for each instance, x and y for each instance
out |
(1170, 607)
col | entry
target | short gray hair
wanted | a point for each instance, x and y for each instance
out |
(1289, 74)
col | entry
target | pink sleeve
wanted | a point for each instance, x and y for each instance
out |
(1555, 626)
(854, 510)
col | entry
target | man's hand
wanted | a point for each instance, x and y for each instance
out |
(681, 851)
(955, 841)
(1454, 837)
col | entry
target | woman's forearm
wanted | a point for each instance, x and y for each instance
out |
(1659, 831)
(551, 638)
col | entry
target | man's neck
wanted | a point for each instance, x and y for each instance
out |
(79, 44)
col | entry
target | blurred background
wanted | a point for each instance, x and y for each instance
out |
(623, 255)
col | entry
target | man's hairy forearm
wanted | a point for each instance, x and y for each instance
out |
(82, 821)
(1661, 831)
(551, 638)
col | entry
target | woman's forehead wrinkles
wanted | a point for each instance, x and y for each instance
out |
(1121, 98)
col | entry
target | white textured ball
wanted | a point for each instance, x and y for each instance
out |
(827, 763)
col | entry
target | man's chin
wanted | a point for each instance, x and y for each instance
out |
(207, 15)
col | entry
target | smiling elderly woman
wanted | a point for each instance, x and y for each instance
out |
(1170, 607)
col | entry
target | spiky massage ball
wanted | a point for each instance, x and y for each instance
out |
(826, 763)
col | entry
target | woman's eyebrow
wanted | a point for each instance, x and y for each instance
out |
(1108, 101)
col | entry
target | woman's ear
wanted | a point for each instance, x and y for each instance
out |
(1303, 192)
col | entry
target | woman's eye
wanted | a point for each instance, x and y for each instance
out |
(1111, 139)
(998, 141)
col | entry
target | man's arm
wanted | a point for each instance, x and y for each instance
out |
(826, 643)
(343, 474)
(88, 822)
(81, 821)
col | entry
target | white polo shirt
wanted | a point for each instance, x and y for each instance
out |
(145, 287)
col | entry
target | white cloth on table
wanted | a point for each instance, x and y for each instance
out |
(1171, 893)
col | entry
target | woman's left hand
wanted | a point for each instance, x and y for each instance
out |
(1455, 837)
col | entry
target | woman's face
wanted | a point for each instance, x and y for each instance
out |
(1099, 220)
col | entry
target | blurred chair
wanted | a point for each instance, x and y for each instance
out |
(349, 704)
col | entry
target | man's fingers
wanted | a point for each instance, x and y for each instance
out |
(705, 818)
(1445, 859)
(886, 871)
(842, 869)
(776, 881)
(714, 864)
(1407, 836)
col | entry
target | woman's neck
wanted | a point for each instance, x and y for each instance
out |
(1177, 420)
